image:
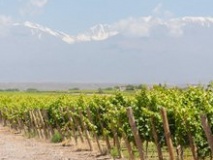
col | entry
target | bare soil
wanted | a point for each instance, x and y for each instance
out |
(15, 146)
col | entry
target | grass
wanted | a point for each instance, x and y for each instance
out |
(151, 152)
(57, 137)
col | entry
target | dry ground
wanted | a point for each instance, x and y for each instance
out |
(17, 147)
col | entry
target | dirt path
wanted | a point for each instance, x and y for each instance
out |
(17, 147)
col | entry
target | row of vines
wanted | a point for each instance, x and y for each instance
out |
(111, 119)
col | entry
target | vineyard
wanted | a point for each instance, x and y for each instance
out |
(153, 123)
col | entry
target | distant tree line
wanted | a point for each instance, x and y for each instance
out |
(10, 90)
(18, 90)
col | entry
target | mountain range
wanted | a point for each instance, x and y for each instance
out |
(134, 50)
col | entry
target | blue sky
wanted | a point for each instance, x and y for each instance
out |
(75, 16)
(122, 41)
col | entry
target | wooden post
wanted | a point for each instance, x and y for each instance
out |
(76, 121)
(4, 117)
(95, 135)
(0, 117)
(28, 127)
(20, 125)
(167, 134)
(34, 123)
(192, 145)
(80, 133)
(88, 137)
(207, 131)
(86, 131)
(108, 142)
(42, 124)
(135, 133)
(129, 147)
(48, 128)
(117, 142)
(106, 137)
(38, 122)
(73, 128)
(155, 136)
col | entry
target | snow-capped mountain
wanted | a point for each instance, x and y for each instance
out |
(96, 33)
(127, 51)
(204, 21)
(141, 27)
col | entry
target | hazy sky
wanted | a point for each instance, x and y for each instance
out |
(138, 41)
(75, 16)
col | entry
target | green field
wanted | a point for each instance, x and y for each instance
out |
(104, 115)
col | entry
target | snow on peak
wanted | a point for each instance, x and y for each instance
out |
(38, 28)
(96, 33)
(139, 27)
(145, 26)
(204, 21)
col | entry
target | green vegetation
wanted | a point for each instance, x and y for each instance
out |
(57, 137)
(108, 113)
(32, 90)
(130, 88)
(74, 89)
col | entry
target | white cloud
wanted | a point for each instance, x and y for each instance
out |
(5, 22)
(175, 28)
(39, 3)
(140, 27)
(146, 26)
(131, 27)
(32, 7)
(159, 11)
